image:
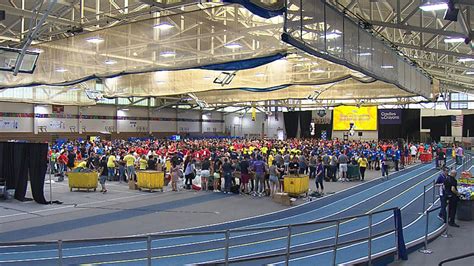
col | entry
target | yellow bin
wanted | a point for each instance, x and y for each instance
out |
(150, 180)
(296, 185)
(82, 180)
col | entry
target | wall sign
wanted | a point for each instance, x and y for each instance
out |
(10, 124)
(56, 124)
(390, 116)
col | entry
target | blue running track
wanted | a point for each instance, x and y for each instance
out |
(403, 189)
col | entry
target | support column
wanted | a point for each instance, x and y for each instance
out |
(35, 128)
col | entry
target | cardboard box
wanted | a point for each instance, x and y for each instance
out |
(282, 198)
(132, 185)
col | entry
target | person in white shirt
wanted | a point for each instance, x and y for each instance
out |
(413, 151)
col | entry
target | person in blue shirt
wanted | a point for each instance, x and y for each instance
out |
(396, 158)
(384, 164)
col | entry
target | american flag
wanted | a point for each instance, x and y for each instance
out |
(457, 120)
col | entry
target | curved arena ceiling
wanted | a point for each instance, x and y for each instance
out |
(219, 53)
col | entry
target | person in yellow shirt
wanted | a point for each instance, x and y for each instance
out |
(143, 163)
(362, 166)
(270, 159)
(130, 165)
(111, 163)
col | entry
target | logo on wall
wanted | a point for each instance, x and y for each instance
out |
(10, 124)
(390, 116)
(57, 109)
(322, 117)
(56, 124)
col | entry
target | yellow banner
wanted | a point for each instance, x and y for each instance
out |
(254, 114)
(363, 118)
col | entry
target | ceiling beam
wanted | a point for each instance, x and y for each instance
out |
(29, 14)
(434, 50)
(419, 29)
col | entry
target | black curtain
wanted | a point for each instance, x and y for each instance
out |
(38, 165)
(305, 123)
(390, 131)
(410, 127)
(438, 125)
(323, 127)
(20, 161)
(291, 124)
(468, 124)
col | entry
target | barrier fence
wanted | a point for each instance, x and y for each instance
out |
(286, 253)
(426, 211)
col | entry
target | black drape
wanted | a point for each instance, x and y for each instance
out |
(20, 160)
(410, 128)
(305, 123)
(438, 125)
(38, 165)
(468, 124)
(291, 124)
(323, 127)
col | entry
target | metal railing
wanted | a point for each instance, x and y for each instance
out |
(287, 252)
(456, 258)
(466, 163)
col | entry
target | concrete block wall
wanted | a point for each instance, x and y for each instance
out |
(38, 122)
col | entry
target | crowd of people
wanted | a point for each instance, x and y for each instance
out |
(252, 166)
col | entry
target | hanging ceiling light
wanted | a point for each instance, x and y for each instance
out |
(433, 5)
(168, 54)
(37, 50)
(464, 60)
(233, 45)
(332, 35)
(94, 40)
(163, 26)
(454, 40)
(110, 62)
(470, 72)
(61, 70)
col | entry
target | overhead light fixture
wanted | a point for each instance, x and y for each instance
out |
(125, 109)
(470, 73)
(454, 40)
(163, 26)
(37, 50)
(260, 75)
(386, 67)
(75, 89)
(434, 6)
(318, 71)
(110, 62)
(233, 45)
(464, 60)
(61, 70)
(168, 54)
(332, 35)
(160, 82)
(95, 40)
(365, 54)
(207, 78)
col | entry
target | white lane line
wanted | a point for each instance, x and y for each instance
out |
(405, 227)
(329, 238)
(266, 231)
(72, 206)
